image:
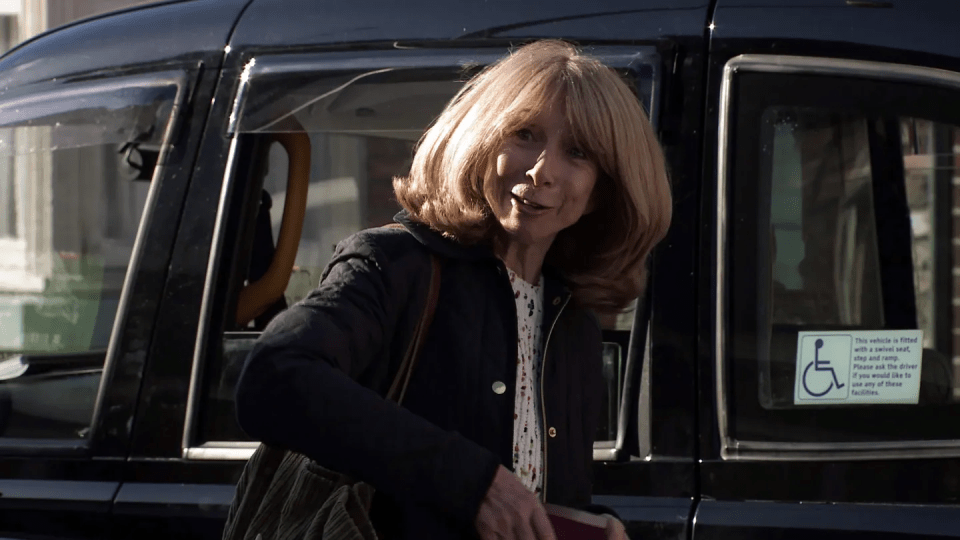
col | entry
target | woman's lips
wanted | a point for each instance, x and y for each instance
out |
(528, 206)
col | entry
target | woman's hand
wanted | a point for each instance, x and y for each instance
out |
(615, 529)
(510, 511)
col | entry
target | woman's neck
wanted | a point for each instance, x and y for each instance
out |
(525, 261)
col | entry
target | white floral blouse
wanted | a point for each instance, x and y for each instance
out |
(527, 431)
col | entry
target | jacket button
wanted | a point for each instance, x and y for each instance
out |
(556, 301)
(499, 387)
(552, 432)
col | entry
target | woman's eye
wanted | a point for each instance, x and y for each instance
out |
(524, 134)
(577, 153)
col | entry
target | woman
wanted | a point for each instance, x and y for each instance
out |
(542, 189)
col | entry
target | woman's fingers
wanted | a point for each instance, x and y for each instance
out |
(509, 511)
(615, 529)
(542, 528)
(533, 523)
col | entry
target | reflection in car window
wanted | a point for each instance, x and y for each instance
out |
(75, 171)
(823, 241)
(824, 247)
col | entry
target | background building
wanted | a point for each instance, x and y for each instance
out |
(22, 19)
(69, 207)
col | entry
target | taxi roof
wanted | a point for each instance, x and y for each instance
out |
(906, 31)
(159, 33)
(178, 31)
(331, 22)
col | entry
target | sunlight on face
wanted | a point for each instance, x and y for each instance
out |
(544, 181)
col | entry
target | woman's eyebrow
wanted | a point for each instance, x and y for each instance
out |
(570, 136)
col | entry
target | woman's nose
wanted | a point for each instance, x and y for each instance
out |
(544, 169)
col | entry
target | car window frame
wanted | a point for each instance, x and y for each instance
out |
(644, 60)
(732, 448)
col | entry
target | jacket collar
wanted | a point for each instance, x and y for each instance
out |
(447, 247)
(440, 244)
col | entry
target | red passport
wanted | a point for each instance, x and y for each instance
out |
(572, 524)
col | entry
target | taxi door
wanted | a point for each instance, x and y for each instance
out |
(360, 88)
(830, 374)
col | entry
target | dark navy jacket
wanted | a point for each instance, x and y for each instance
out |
(313, 382)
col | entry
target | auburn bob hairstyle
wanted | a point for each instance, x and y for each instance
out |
(603, 256)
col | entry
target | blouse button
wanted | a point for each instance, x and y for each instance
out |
(556, 301)
(552, 432)
(499, 387)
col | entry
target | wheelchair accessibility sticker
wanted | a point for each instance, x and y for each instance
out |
(858, 366)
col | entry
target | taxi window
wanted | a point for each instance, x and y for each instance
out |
(363, 115)
(840, 328)
(363, 126)
(76, 162)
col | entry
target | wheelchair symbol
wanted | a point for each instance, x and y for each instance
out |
(820, 365)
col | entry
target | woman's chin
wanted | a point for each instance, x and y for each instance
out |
(522, 235)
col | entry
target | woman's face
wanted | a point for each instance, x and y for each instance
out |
(544, 181)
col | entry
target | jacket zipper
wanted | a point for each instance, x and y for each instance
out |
(543, 403)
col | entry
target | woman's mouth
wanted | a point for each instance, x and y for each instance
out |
(527, 203)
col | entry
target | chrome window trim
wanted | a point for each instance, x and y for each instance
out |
(177, 78)
(221, 451)
(605, 451)
(720, 246)
(611, 450)
(800, 451)
(733, 449)
(42, 447)
(644, 404)
(619, 56)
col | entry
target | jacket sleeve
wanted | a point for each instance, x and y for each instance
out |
(295, 392)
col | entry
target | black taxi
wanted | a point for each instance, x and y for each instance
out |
(173, 175)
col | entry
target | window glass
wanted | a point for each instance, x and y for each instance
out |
(823, 242)
(825, 252)
(363, 126)
(846, 205)
(351, 189)
(75, 166)
(921, 171)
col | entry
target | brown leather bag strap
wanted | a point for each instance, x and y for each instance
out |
(398, 388)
